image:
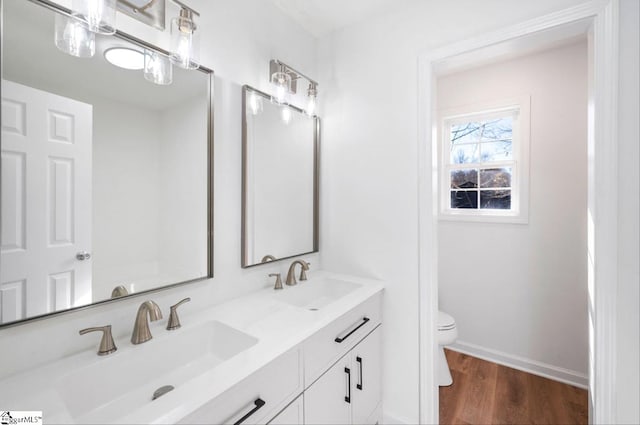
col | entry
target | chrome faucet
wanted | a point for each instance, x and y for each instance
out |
(141, 332)
(291, 274)
(107, 346)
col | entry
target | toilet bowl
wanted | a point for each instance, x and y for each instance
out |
(447, 334)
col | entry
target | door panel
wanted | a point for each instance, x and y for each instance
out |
(324, 401)
(46, 202)
(366, 359)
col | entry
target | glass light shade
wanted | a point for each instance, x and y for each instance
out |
(185, 43)
(98, 15)
(281, 83)
(157, 68)
(73, 37)
(312, 105)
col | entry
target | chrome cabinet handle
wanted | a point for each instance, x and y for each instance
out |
(347, 398)
(83, 255)
(340, 339)
(258, 404)
(359, 385)
(174, 320)
(107, 346)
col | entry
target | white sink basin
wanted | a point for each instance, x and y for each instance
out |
(316, 294)
(115, 385)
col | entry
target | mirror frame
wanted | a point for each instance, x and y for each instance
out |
(56, 8)
(316, 183)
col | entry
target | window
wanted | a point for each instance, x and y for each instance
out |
(484, 163)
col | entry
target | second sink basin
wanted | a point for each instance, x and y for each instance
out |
(316, 294)
(113, 386)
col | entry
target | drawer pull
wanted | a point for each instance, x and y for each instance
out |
(258, 404)
(347, 398)
(359, 385)
(340, 339)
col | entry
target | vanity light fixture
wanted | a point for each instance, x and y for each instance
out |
(284, 81)
(73, 37)
(185, 38)
(99, 16)
(125, 57)
(157, 68)
(281, 83)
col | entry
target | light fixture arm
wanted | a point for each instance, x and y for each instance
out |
(185, 7)
(279, 66)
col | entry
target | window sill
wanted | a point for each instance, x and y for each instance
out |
(483, 218)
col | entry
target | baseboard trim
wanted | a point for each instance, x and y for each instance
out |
(545, 370)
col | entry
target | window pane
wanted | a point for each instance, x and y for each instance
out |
(496, 151)
(464, 179)
(495, 177)
(464, 199)
(497, 129)
(464, 154)
(495, 199)
(468, 132)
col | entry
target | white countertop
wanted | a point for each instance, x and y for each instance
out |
(278, 326)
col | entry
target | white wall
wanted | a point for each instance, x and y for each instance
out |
(628, 308)
(521, 289)
(239, 38)
(369, 224)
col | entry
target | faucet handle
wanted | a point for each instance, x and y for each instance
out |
(303, 270)
(107, 346)
(174, 320)
(278, 284)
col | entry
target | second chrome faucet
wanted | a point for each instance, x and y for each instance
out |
(291, 274)
(141, 332)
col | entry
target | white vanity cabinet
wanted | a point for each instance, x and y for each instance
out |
(350, 392)
(331, 377)
(292, 414)
(258, 398)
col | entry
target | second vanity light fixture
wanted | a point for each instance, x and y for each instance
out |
(75, 35)
(284, 82)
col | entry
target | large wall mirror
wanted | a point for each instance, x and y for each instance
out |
(279, 180)
(105, 175)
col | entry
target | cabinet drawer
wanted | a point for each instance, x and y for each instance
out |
(326, 346)
(258, 398)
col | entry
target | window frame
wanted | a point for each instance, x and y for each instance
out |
(519, 108)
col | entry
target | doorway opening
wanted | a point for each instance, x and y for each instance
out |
(596, 24)
(512, 237)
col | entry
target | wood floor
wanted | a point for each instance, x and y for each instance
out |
(488, 393)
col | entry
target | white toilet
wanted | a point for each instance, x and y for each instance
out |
(447, 334)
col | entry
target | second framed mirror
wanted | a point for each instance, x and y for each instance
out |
(280, 165)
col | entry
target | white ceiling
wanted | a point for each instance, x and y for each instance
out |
(320, 17)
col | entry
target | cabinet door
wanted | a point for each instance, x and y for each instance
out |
(366, 361)
(292, 415)
(328, 400)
